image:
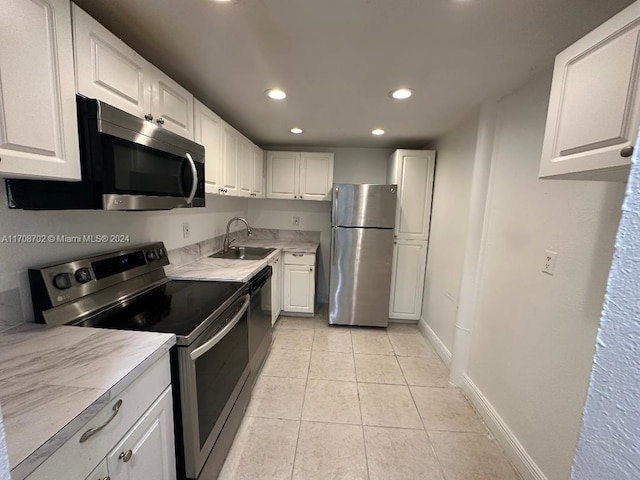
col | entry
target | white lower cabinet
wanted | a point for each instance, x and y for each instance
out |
(276, 288)
(299, 283)
(100, 473)
(146, 451)
(407, 279)
(139, 420)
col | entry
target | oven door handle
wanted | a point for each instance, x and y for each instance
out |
(209, 344)
(194, 185)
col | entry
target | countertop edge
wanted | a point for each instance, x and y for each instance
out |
(50, 446)
(263, 263)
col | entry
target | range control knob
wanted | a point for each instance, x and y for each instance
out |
(62, 281)
(161, 253)
(83, 275)
(152, 255)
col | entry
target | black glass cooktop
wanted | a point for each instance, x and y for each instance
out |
(178, 306)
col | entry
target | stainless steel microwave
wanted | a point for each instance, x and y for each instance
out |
(127, 163)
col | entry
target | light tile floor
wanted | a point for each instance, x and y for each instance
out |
(359, 403)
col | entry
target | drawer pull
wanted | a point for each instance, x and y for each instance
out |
(297, 254)
(92, 431)
(125, 456)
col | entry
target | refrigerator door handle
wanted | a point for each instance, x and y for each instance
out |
(336, 191)
(333, 246)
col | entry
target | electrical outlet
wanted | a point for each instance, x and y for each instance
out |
(296, 221)
(549, 264)
(185, 230)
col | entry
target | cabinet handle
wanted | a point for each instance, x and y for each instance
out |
(295, 196)
(221, 190)
(92, 431)
(301, 196)
(297, 254)
(160, 121)
(225, 190)
(125, 456)
(311, 269)
(626, 151)
(148, 116)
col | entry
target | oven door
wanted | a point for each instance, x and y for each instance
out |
(212, 371)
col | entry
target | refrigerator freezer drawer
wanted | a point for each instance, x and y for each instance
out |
(361, 260)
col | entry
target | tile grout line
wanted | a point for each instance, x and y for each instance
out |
(364, 440)
(306, 383)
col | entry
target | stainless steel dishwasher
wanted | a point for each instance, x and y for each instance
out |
(259, 320)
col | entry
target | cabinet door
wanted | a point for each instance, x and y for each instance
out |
(108, 69)
(415, 187)
(147, 450)
(38, 125)
(594, 107)
(282, 174)
(258, 173)
(172, 105)
(229, 160)
(245, 167)
(316, 176)
(299, 288)
(208, 132)
(407, 279)
(100, 472)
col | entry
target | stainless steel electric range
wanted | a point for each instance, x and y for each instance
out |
(128, 290)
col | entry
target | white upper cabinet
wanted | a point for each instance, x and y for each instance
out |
(229, 160)
(412, 171)
(246, 168)
(208, 132)
(109, 70)
(282, 174)
(171, 105)
(299, 175)
(38, 125)
(316, 176)
(594, 107)
(258, 172)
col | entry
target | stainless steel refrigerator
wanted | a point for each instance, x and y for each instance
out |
(362, 223)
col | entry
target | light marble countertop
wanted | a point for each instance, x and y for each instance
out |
(53, 380)
(207, 268)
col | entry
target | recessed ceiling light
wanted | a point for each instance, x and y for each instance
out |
(296, 130)
(377, 131)
(276, 94)
(401, 93)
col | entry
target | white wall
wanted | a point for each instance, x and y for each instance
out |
(533, 335)
(313, 216)
(141, 227)
(449, 220)
(608, 445)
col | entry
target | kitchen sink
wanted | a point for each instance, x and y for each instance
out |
(243, 253)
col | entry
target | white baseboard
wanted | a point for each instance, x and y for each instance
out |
(440, 348)
(501, 432)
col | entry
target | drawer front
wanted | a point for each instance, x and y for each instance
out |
(100, 473)
(77, 460)
(299, 258)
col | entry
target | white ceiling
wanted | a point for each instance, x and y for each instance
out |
(338, 59)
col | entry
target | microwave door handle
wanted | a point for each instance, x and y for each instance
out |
(209, 344)
(194, 172)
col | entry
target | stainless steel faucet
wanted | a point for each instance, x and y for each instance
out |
(227, 243)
